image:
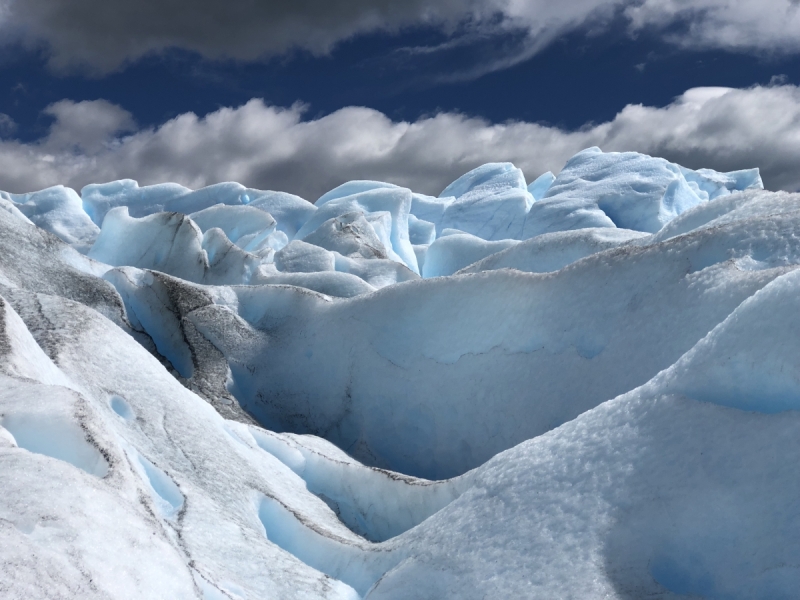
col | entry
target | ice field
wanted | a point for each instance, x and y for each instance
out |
(583, 386)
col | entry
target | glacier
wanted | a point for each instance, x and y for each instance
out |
(582, 386)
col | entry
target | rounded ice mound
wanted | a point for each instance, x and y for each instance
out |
(486, 179)
(353, 187)
(99, 198)
(454, 250)
(628, 190)
(350, 235)
(301, 257)
(59, 210)
(749, 360)
(330, 283)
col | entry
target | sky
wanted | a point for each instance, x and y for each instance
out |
(303, 95)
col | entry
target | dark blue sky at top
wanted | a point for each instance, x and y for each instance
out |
(577, 80)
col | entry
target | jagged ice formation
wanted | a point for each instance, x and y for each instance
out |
(582, 387)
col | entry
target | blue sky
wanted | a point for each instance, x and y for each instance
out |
(304, 95)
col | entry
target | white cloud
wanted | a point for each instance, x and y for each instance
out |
(102, 35)
(274, 148)
(86, 126)
(772, 25)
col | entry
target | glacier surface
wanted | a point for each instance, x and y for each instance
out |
(583, 386)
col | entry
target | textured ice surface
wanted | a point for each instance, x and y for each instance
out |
(546, 346)
(392, 200)
(490, 202)
(377, 272)
(239, 394)
(628, 190)
(246, 226)
(58, 210)
(351, 235)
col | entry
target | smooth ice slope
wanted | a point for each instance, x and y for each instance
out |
(455, 250)
(747, 361)
(553, 251)
(539, 186)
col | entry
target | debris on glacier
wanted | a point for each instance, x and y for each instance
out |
(584, 386)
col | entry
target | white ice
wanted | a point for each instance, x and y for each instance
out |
(240, 394)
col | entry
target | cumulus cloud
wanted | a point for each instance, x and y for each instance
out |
(86, 126)
(275, 148)
(102, 35)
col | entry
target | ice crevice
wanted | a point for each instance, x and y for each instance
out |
(339, 561)
(374, 503)
(165, 493)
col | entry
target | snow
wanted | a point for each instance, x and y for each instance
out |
(592, 392)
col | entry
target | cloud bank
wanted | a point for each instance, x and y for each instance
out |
(102, 35)
(268, 147)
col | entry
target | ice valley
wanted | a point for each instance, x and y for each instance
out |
(584, 386)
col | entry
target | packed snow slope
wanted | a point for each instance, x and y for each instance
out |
(585, 386)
